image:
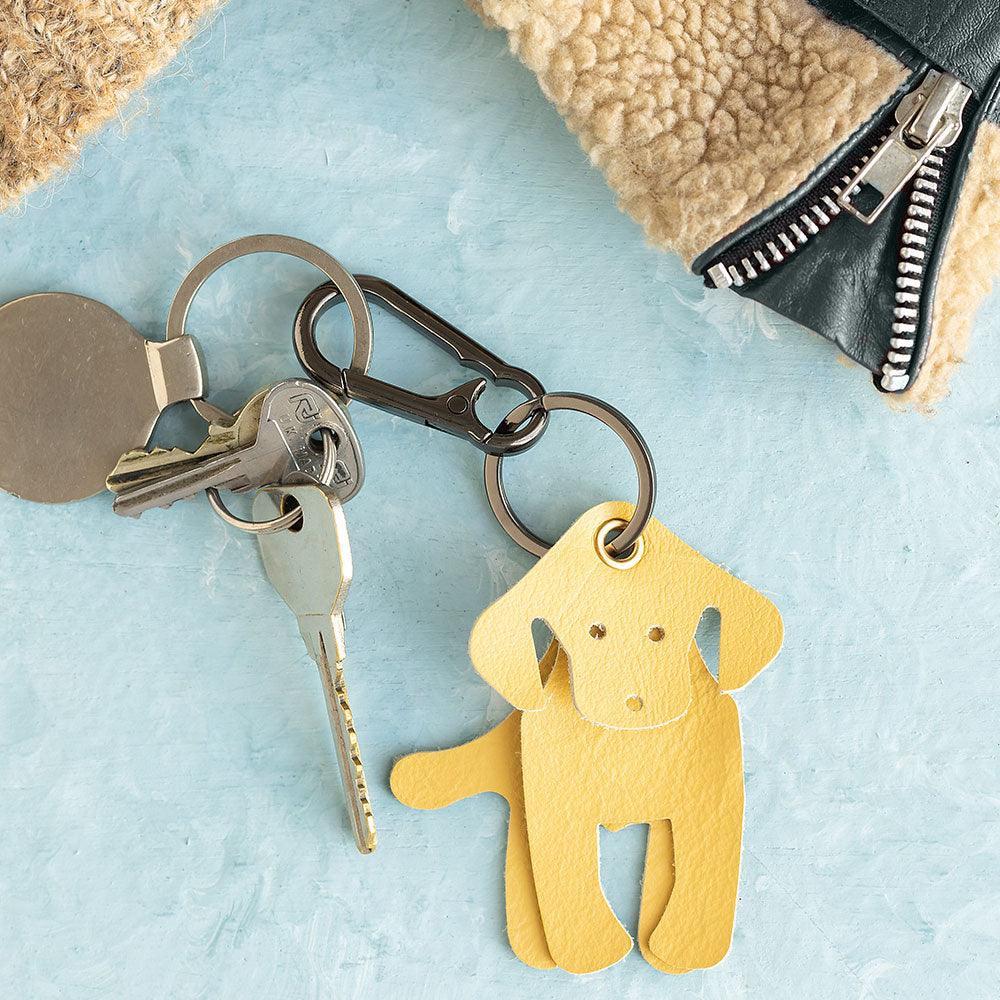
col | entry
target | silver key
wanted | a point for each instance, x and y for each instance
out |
(290, 414)
(74, 374)
(142, 465)
(310, 567)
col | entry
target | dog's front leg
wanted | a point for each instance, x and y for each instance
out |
(582, 932)
(697, 927)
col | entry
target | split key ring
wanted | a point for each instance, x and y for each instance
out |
(621, 551)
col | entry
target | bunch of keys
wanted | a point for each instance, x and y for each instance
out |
(303, 538)
(293, 441)
(294, 432)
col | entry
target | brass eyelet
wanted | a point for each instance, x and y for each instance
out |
(601, 544)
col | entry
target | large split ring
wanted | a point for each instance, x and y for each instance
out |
(618, 548)
(361, 315)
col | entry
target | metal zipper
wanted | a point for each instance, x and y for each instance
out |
(908, 146)
(774, 243)
(927, 120)
(910, 273)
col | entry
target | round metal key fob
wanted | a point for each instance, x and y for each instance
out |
(78, 388)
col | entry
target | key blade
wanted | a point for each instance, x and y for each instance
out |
(149, 465)
(229, 470)
(137, 467)
(311, 568)
(345, 740)
(163, 492)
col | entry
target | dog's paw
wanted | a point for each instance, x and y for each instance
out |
(680, 949)
(590, 947)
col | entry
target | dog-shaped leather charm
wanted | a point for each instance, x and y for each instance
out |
(621, 722)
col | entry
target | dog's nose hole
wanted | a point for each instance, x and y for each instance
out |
(635, 703)
(598, 631)
(656, 634)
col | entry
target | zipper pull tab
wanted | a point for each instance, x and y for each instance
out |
(929, 118)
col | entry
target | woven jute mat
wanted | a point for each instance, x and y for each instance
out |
(66, 66)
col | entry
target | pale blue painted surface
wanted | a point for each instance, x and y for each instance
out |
(171, 818)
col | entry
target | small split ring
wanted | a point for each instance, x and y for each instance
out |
(290, 518)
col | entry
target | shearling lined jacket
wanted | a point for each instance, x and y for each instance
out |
(836, 160)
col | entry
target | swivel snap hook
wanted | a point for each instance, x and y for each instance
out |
(453, 412)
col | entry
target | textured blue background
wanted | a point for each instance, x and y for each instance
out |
(172, 821)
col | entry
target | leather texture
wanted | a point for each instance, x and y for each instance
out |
(575, 592)
(962, 36)
(569, 774)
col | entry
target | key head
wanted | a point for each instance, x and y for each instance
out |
(310, 564)
(291, 414)
(76, 377)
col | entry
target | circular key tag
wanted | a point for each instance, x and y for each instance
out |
(78, 388)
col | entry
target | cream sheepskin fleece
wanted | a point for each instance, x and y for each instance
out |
(701, 113)
(971, 263)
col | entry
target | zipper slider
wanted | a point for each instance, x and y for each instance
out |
(928, 118)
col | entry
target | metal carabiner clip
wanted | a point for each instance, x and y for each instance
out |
(453, 412)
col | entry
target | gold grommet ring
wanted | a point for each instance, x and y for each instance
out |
(601, 544)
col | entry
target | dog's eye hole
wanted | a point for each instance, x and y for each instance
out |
(656, 634)
(598, 631)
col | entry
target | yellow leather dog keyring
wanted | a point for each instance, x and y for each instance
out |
(620, 722)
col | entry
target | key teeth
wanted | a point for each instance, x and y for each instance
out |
(354, 748)
(139, 453)
(132, 467)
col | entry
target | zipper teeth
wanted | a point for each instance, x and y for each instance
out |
(910, 273)
(813, 218)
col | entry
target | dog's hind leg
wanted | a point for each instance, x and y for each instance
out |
(582, 931)
(490, 763)
(524, 920)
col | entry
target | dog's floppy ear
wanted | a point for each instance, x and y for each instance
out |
(502, 647)
(752, 631)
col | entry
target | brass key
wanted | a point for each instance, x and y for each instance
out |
(310, 567)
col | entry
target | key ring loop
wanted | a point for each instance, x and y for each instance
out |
(618, 548)
(290, 518)
(361, 317)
